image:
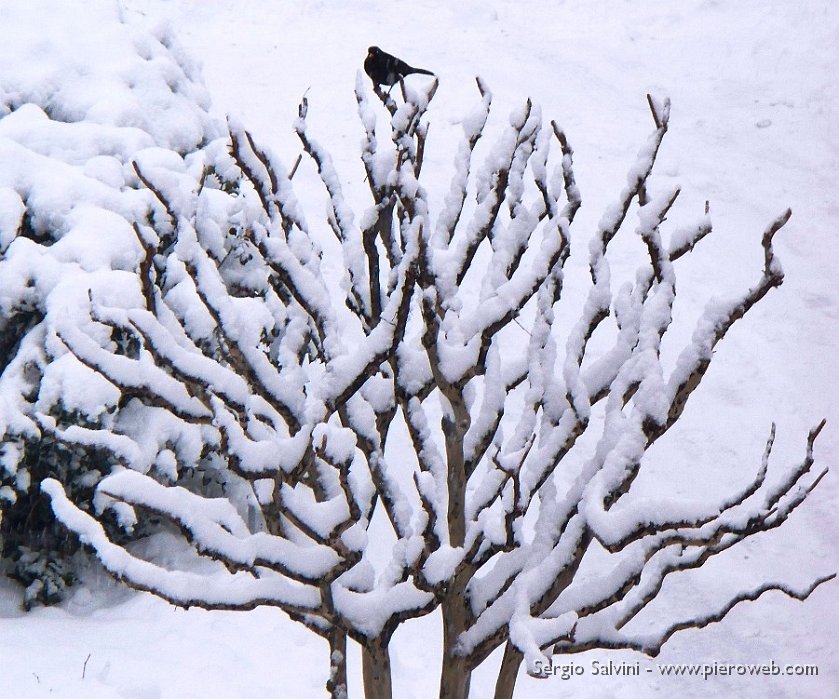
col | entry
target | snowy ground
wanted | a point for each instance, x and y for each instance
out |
(753, 130)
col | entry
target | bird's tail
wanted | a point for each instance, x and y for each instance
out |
(422, 71)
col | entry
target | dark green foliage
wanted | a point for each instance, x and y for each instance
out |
(43, 555)
(46, 574)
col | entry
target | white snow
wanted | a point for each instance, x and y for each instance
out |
(85, 93)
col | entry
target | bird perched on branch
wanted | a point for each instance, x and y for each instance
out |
(385, 69)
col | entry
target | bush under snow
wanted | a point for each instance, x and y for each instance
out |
(83, 103)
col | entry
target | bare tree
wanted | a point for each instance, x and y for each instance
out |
(440, 396)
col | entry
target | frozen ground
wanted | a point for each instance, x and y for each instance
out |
(753, 130)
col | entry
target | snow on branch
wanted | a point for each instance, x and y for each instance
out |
(228, 591)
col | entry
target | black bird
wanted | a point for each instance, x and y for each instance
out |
(385, 69)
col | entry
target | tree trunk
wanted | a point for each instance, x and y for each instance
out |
(375, 666)
(337, 683)
(506, 682)
(456, 674)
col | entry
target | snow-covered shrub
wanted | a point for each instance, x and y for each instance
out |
(83, 102)
(438, 417)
